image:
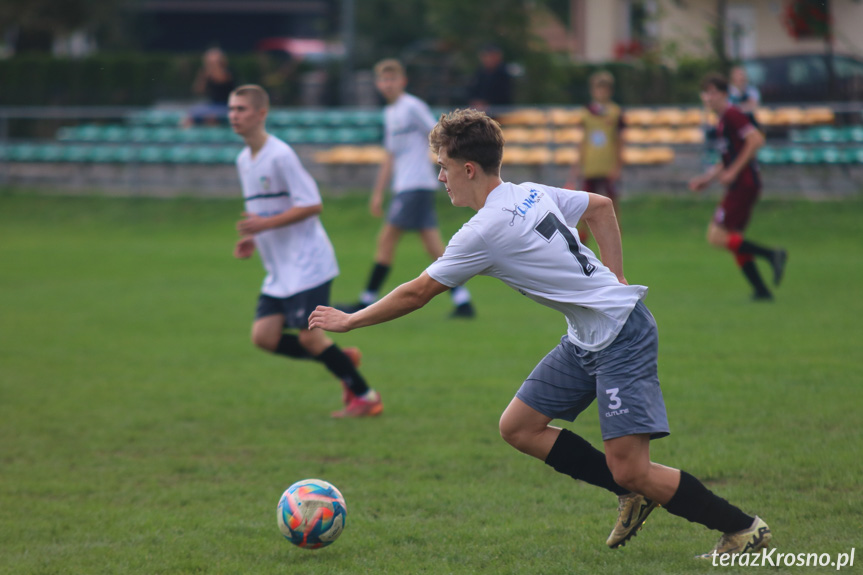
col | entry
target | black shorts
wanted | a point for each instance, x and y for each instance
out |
(296, 308)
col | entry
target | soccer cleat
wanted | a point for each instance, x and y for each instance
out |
(631, 513)
(356, 357)
(778, 261)
(350, 307)
(750, 540)
(762, 297)
(463, 311)
(367, 406)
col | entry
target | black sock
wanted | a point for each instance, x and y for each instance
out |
(747, 247)
(573, 456)
(377, 277)
(694, 502)
(751, 272)
(342, 367)
(290, 346)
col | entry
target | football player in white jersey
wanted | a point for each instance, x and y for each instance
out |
(407, 168)
(525, 235)
(281, 220)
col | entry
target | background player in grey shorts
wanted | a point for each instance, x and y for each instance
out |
(525, 236)
(408, 171)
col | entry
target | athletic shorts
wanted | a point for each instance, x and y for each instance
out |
(296, 308)
(735, 208)
(621, 377)
(601, 186)
(413, 210)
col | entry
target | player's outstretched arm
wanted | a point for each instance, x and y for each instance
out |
(601, 219)
(401, 301)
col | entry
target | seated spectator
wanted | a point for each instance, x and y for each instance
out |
(215, 82)
(491, 85)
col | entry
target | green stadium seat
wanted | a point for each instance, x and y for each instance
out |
(854, 155)
(151, 154)
(181, 154)
(166, 135)
(830, 155)
(23, 152)
(77, 153)
(204, 155)
(827, 134)
(49, 153)
(67, 133)
(854, 134)
(798, 156)
(103, 154)
(228, 154)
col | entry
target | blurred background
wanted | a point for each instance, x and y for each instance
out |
(115, 95)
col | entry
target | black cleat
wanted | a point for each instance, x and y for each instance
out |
(778, 261)
(463, 311)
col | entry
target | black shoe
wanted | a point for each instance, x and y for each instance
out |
(463, 311)
(762, 297)
(350, 307)
(778, 261)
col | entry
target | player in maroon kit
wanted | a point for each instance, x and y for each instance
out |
(739, 140)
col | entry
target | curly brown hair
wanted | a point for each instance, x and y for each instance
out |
(469, 135)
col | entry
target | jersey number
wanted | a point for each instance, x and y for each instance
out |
(548, 227)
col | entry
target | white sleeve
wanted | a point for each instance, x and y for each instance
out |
(467, 255)
(572, 204)
(301, 185)
(423, 117)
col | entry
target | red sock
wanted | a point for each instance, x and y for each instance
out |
(734, 241)
(742, 259)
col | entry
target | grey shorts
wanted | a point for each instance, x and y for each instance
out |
(413, 210)
(621, 377)
(296, 308)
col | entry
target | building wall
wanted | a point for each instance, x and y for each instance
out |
(686, 26)
(600, 29)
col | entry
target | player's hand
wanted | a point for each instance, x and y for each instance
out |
(376, 205)
(329, 319)
(244, 248)
(727, 177)
(252, 224)
(698, 183)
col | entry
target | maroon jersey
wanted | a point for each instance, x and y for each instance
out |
(733, 127)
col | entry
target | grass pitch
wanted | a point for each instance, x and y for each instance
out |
(140, 431)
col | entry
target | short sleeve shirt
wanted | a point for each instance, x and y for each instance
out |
(407, 123)
(733, 128)
(299, 256)
(525, 236)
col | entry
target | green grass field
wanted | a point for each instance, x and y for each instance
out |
(140, 431)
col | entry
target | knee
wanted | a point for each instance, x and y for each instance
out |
(516, 436)
(314, 341)
(628, 476)
(264, 341)
(717, 237)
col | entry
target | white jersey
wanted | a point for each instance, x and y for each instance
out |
(407, 123)
(298, 256)
(525, 236)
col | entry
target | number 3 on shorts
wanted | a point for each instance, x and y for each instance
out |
(614, 402)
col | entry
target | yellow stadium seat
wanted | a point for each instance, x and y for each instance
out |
(566, 156)
(822, 115)
(568, 136)
(524, 117)
(565, 116)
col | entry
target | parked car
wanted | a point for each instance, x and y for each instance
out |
(805, 78)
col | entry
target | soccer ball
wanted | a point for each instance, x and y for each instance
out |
(311, 513)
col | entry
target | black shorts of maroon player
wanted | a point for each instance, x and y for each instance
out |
(735, 208)
(602, 186)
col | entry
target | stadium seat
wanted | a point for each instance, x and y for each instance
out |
(77, 153)
(151, 154)
(566, 116)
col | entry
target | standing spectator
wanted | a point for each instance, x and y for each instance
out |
(741, 93)
(491, 85)
(601, 149)
(215, 82)
(744, 95)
